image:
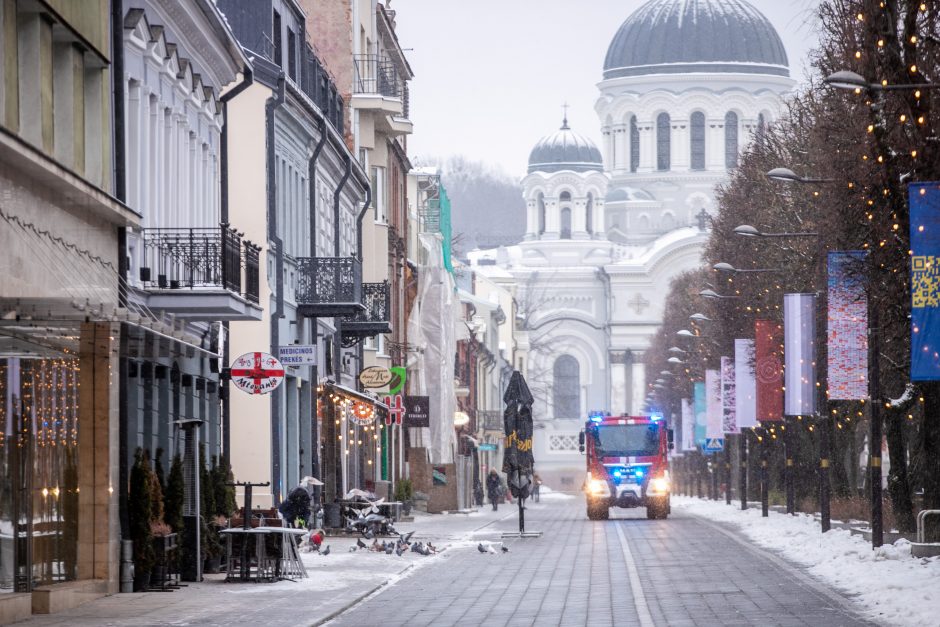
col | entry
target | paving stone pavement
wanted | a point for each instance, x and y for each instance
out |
(690, 573)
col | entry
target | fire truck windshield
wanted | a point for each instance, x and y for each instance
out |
(627, 440)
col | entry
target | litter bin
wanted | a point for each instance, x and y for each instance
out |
(332, 516)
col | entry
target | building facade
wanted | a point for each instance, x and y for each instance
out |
(61, 307)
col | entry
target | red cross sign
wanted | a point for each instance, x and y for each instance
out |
(396, 409)
(257, 373)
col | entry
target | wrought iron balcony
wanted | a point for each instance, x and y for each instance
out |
(375, 319)
(329, 286)
(194, 272)
(376, 74)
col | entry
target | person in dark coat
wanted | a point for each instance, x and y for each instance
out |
(493, 488)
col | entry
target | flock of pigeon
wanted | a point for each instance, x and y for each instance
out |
(489, 548)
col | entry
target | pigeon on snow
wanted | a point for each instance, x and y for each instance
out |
(325, 551)
(360, 543)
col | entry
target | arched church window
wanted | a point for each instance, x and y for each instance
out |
(761, 128)
(589, 214)
(731, 140)
(567, 387)
(663, 142)
(566, 223)
(541, 214)
(565, 197)
(634, 144)
(697, 147)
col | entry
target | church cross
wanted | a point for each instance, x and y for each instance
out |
(702, 217)
(564, 122)
(639, 303)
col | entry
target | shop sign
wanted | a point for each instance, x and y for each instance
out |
(417, 411)
(461, 418)
(396, 407)
(257, 373)
(375, 377)
(298, 354)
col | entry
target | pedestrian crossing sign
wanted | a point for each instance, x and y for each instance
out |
(713, 445)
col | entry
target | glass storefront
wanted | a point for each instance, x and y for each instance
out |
(39, 410)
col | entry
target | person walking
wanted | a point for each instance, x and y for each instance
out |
(493, 488)
(536, 482)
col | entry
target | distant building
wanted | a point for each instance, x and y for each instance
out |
(607, 229)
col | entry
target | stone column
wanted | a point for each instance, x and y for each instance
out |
(532, 219)
(639, 384)
(597, 217)
(618, 385)
(715, 144)
(681, 147)
(99, 529)
(579, 218)
(647, 147)
(552, 218)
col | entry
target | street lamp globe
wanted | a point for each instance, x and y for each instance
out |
(724, 267)
(685, 333)
(746, 229)
(845, 79)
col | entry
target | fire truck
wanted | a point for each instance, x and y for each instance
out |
(627, 464)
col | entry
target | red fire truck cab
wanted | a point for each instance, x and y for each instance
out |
(627, 464)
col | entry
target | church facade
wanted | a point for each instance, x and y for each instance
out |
(686, 85)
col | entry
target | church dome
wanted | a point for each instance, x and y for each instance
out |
(686, 36)
(565, 150)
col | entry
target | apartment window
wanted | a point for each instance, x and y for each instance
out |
(291, 55)
(277, 39)
(379, 195)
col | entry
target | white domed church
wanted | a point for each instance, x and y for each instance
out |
(686, 85)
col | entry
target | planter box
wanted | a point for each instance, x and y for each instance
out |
(889, 537)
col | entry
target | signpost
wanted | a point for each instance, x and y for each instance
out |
(257, 373)
(298, 355)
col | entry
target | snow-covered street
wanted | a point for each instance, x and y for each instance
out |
(891, 586)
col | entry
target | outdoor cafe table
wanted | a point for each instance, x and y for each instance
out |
(287, 566)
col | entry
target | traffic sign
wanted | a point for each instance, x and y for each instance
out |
(713, 445)
(257, 373)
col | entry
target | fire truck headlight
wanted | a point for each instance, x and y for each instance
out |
(659, 485)
(598, 487)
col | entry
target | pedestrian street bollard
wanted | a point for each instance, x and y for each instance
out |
(742, 477)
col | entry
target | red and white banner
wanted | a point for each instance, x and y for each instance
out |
(799, 350)
(729, 421)
(768, 370)
(713, 404)
(745, 385)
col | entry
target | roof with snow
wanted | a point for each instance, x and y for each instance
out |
(690, 36)
(565, 150)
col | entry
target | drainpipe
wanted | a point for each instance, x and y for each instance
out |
(269, 108)
(120, 192)
(314, 373)
(247, 80)
(336, 198)
(359, 218)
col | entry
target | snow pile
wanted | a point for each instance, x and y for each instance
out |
(892, 587)
(546, 492)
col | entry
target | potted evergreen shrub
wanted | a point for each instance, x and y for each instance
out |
(140, 516)
(404, 494)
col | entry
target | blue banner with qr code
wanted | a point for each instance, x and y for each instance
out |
(924, 199)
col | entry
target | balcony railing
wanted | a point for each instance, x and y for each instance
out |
(203, 258)
(375, 319)
(376, 74)
(329, 286)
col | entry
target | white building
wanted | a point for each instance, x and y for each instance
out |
(686, 84)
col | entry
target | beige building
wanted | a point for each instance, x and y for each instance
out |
(60, 307)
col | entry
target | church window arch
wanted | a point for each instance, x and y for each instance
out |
(589, 213)
(644, 222)
(541, 204)
(566, 380)
(634, 144)
(566, 223)
(663, 142)
(565, 197)
(697, 140)
(731, 140)
(668, 222)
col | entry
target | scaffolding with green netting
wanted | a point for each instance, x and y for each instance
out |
(435, 216)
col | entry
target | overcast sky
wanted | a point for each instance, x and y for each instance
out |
(491, 75)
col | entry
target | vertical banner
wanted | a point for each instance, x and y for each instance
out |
(768, 369)
(699, 410)
(924, 200)
(799, 351)
(688, 426)
(713, 404)
(847, 330)
(745, 386)
(729, 420)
